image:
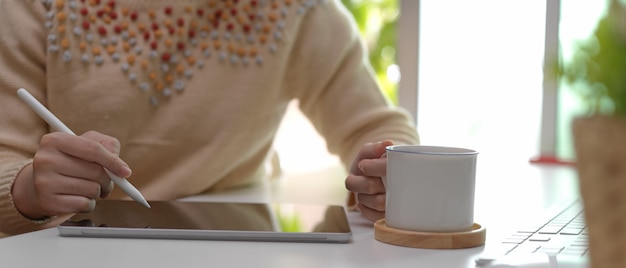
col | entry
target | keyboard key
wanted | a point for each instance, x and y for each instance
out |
(571, 231)
(539, 238)
(550, 229)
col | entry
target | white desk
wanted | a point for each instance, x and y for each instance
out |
(501, 191)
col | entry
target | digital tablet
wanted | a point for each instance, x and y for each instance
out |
(278, 222)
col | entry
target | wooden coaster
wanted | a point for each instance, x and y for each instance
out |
(475, 237)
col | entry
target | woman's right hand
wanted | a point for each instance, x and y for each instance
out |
(67, 174)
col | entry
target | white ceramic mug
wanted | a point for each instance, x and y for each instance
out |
(430, 188)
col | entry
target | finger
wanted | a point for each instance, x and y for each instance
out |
(372, 201)
(57, 184)
(376, 167)
(66, 204)
(89, 150)
(49, 164)
(110, 143)
(106, 191)
(364, 185)
(369, 151)
(370, 214)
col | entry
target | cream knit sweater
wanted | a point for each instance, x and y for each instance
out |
(193, 89)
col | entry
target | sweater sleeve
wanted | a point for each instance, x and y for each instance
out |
(22, 57)
(334, 83)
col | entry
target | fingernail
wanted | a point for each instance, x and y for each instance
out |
(126, 170)
(92, 204)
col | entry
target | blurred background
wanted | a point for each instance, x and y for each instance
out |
(479, 76)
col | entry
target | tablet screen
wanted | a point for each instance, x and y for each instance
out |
(211, 220)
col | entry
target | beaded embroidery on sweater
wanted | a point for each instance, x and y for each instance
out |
(159, 50)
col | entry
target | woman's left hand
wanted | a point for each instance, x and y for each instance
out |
(365, 179)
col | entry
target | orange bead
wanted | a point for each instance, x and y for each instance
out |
(262, 38)
(82, 45)
(204, 45)
(169, 78)
(180, 69)
(111, 49)
(159, 86)
(241, 51)
(59, 3)
(125, 11)
(126, 46)
(217, 44)
(96, 51)
(191, 60)
(61, 29)
(253, 51)
(61, 16)
(168, 42)
(152, 75)
(130, 59)
(272, 17)
(231, 48)
(65, 43)
(144, 64)
(152, 14)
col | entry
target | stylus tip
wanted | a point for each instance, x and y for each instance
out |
(145, 203)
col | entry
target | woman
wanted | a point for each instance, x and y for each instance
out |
(187, 94)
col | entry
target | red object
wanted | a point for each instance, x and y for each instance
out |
(102, 30)
(551, 160)
(168, 10)
(166, 56)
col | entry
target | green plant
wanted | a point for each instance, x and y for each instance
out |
(377, 23)
(597, 70)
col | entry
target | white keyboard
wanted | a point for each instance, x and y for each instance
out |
(563, 235)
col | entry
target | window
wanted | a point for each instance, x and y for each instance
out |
(479, 74)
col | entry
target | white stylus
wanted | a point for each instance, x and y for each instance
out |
(46, 115)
